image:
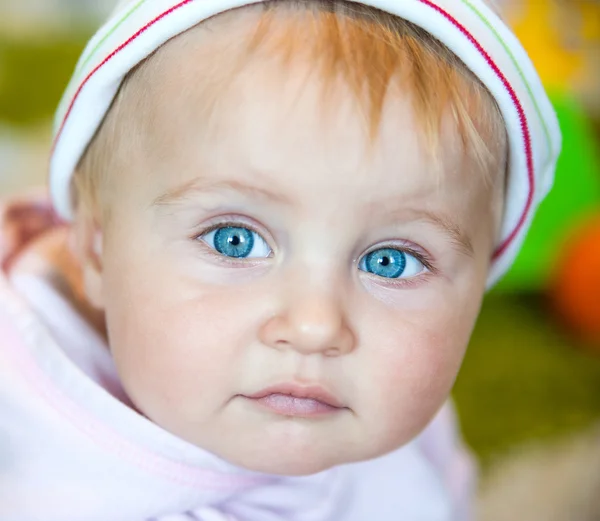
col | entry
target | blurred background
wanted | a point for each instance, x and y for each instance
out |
(529, 392)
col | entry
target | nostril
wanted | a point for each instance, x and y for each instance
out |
(283, 343)
(309, 326)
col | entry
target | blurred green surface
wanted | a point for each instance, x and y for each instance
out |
(33, 75)
(524, 379)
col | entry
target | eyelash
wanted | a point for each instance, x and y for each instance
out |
(401, 283)
(422, 256)
(226, 223)
(236, 223)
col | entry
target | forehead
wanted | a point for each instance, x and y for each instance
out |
(210, 109)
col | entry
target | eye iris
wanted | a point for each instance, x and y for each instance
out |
(387, 262)
(234, 242)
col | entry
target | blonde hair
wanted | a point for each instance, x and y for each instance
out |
(370, 50)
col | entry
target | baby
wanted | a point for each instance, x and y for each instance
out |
(282, 218)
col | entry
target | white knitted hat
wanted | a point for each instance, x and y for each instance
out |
(469, 28)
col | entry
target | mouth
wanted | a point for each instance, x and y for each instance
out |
(294, 400)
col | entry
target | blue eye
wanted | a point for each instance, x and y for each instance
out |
(391, 263)
(237, 242)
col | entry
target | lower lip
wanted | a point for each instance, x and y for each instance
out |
(287, 405)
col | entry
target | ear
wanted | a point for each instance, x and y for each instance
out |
(86, 244)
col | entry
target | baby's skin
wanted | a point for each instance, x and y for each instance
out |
(277, 286)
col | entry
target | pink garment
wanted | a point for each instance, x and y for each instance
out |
(72, 449)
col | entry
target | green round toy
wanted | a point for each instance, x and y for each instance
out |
(574, 199)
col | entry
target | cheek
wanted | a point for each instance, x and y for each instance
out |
(173, 338)
(414, 365)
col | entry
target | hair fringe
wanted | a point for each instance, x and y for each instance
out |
(372, 51)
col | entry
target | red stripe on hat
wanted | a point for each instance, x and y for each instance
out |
(522, 117)
(110, 57)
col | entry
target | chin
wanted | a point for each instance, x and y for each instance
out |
(285, 462)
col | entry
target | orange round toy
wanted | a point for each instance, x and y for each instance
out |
(576, 287)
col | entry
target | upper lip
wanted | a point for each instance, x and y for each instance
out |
(312, 392)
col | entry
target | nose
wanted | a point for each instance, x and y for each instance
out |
(311, 323)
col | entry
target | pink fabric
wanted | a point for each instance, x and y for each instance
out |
(21, 221)
(72, 449)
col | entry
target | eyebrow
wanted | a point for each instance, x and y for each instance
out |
(457, 236)
(202, 186)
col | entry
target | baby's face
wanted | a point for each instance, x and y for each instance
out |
(270, 251)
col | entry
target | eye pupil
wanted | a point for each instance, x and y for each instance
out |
(234, 242)
(387, 262)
